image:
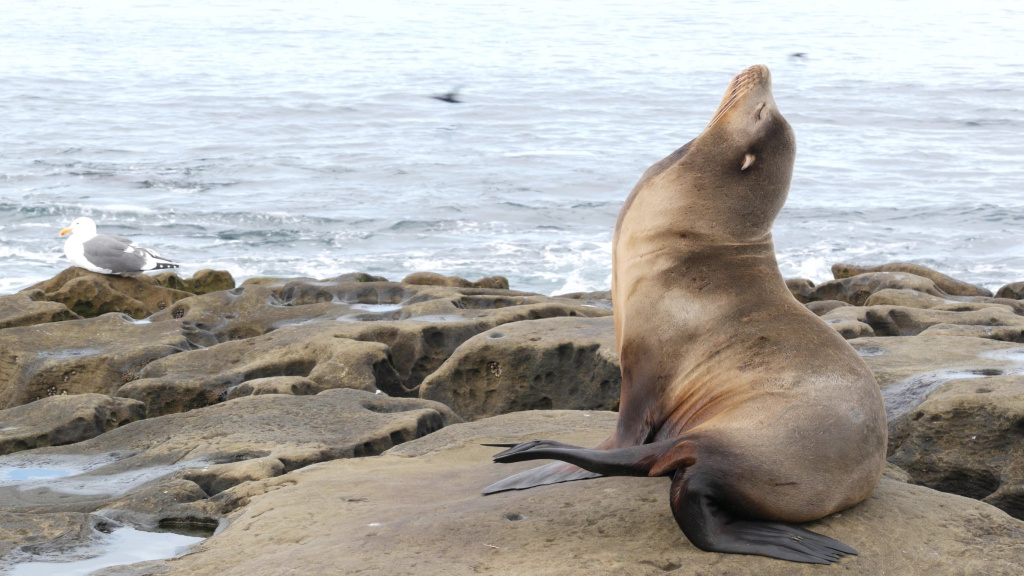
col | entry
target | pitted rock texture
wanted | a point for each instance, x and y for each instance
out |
(1013, 290)
(64, 420)
(947, 284)
(49, 537)
(81, 356)
(904, 321)
(913, 299)
(174, 466)
(857, 289)
(417, 510)
(31, 307)
(434, 279)
(202, 282)
(967, 438)
(801, 288)
(89, 294)
(253, 310)
(318, 352)
(560, 363)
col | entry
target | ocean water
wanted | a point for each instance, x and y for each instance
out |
(299, 138)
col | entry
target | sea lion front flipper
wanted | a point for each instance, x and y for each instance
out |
(714, 529)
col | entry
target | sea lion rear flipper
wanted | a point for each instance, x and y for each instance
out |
(553, 473)
(714, 529)
(577, 463)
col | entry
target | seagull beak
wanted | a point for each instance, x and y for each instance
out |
(65, 231)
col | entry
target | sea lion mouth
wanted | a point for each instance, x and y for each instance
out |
(753, 77)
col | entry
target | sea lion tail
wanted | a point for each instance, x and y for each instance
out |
(553, 473)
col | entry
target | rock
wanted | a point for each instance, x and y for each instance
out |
(905, 298)
(850, 329)
(418, 510)
(318, 353)
(202, 282)
(422, 325)
(560, 363)
(81, 356)
(172, 468)
(434, 279)
(170, 279)
(64, 420)
(801, 288)
(1014, 290)
(206, 281)
(250, 311)
(857, 289)
(31, 307)
(967, 438)
(945, 283)
(295, 385)
(599, 299)
(1004, 333)
(347, 278)
(913, 299)
(908, 369)
(47, 537)
(90, 294)
(822, 307)
(903, 321)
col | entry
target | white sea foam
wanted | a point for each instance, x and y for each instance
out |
(270, 171)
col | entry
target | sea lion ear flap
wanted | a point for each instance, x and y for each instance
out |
(682, 455)
(748, 161)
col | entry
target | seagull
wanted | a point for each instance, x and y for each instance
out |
(108, 254)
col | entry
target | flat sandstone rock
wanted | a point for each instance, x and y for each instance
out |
(418, 510)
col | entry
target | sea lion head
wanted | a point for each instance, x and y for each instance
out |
(729, 183)
(750, 148)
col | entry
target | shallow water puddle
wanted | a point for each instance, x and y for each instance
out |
(376, 307)
(13, 475)
(122, 546)
(78, 475)
(907, 394)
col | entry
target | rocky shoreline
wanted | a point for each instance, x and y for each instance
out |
(333, 426)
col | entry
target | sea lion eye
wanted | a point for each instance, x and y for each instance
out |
(760, 109)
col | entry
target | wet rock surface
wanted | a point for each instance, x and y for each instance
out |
(64, 420)
(31, 307)
(319, 353)
(46, 536)
(83, 356)
(967, 438)
(433, 279)
(947, 284)
(857, 289)
(417, 510)
(245, 387)
(170, 467)
(541, 364)
(89, 294)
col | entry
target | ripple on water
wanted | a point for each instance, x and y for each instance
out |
(122, 546)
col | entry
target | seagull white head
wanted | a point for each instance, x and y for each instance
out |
(82, 225)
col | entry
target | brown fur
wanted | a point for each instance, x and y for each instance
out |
(764, 396)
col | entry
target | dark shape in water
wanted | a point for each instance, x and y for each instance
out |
(452, 97)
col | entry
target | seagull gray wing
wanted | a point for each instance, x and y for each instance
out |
(113, 253)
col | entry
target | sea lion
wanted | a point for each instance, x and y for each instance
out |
(760, 412)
